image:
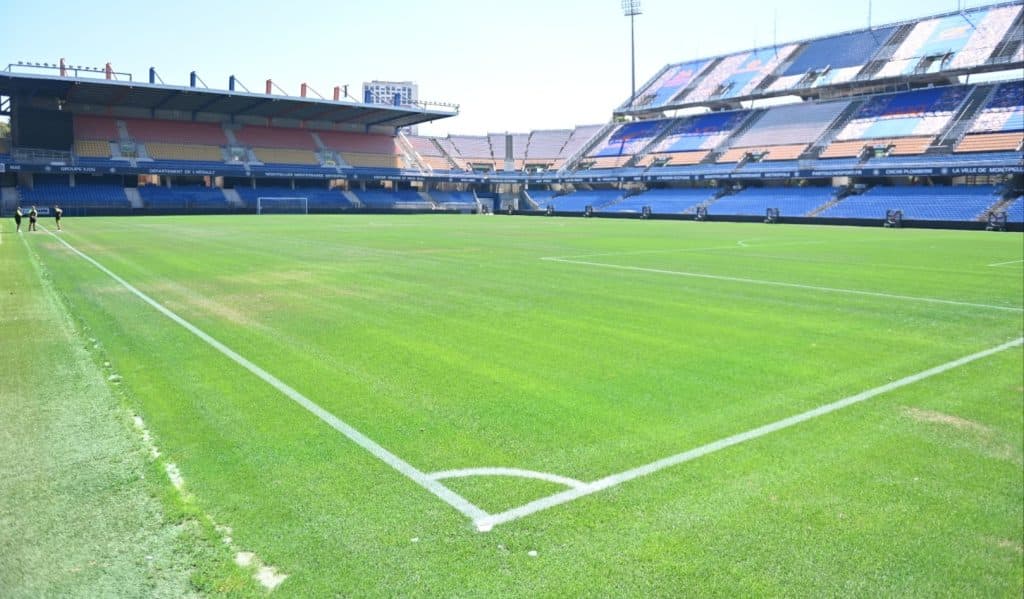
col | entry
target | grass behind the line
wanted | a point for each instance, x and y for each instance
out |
(450, 342)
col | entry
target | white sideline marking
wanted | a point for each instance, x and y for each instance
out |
(697, 275)
(551, 478)
(686, 456)
(1005, 263)
(444, 493)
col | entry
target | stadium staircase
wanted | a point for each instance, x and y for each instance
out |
(251, 159)
(1008, 46)
(353, 198)
(232, 198)
(327, 156)
(452, 163)
(710, 68)
(524, 196)
(839, 197)
(639, 156)
(1007, 196)
(816, 148)
(412, 158)
(885, 53)
(571, 161)
(122, 132)
(720, 149)
(134, 197)
(428, 199)
(725, 191)
(958, 127)
(229, 133)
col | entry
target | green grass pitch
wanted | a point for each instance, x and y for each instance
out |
(577, 349)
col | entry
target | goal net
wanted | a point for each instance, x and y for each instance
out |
(282, 205)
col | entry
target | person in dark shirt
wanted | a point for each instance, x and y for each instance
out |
(33, 216)
(17, 218)
(57, 213)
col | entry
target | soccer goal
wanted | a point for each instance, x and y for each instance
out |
(282, 205)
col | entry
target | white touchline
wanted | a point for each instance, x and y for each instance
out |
(444, 493)
(1005, 263)
(697, 275)
(617, 479)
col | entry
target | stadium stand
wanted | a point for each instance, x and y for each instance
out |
(474, 151)
(906, 121)
(393, 200)
(673, 80)
(275, 137)
(623, 142)
(784, 132)
(363, 150)
(954, 41)
(545, 147)
(755, 201)
(430, 153)
(690, 139)
(174, 132)
(579, 200)
(182, 197)
(739, 74)
(85, 196)
(95, 128)
(664, 201)
(579, 138)
(1000, 125)
(1015, 211)
(832, 60)
(318, 198)
(957, 203)
(542, 197)
(454, 200)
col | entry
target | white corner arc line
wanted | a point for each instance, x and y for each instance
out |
(419, 477)
(616, 479)
(518, 472)
(698, 275)
(1005, 263)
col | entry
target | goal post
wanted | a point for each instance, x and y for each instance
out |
(282, 205)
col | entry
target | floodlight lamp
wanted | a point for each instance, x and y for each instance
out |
(631, 8)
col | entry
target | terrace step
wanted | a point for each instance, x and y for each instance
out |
(353, 198)
(134, 198)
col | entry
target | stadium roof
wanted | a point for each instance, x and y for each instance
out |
(147, 96)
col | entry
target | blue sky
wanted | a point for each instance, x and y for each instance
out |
(511, 66)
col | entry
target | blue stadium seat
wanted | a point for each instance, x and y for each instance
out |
(957, 203)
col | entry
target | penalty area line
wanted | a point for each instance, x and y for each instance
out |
(419, 477)
(566, 496)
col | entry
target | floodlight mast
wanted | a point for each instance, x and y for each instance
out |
(631, 8)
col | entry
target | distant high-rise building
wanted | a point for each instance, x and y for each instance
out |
(384, 92)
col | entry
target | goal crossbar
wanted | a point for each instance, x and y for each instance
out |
(282, 205)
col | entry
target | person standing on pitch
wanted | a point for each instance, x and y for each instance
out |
(33, 216)
(57, 213)
(17, 219)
